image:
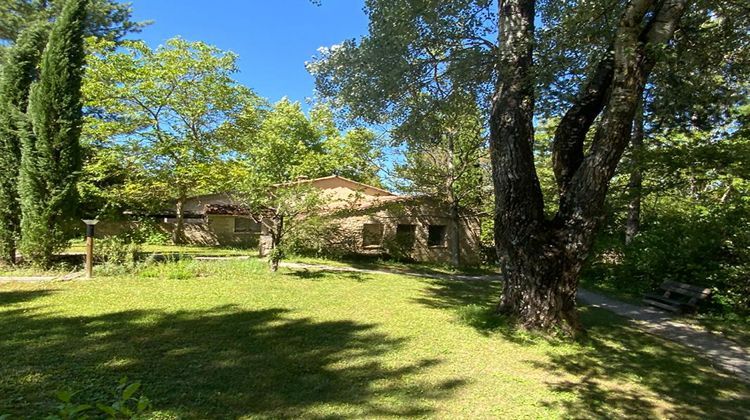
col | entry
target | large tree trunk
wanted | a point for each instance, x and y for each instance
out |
(635, 185)
(541, 259)
(519, 214)
(541, 281)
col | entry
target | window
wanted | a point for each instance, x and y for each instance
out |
(437, 235)
(405, 235)
(372, 235)
(245, 225)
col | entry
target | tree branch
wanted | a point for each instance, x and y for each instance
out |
(583, 201)
(567, 146)
(519, 209)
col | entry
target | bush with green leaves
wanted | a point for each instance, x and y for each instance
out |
(685, 241)
(399, 248)
(117, 251)
(125, 404)
(147, 231)
(319, 237)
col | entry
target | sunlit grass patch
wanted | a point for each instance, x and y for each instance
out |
(218, 339)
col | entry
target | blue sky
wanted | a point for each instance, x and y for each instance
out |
(273, 38)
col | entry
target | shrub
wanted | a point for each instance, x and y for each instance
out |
(319, 238)
(147, 231)
(124, 404)
(118, 251)
(399, 248)
(684, 242)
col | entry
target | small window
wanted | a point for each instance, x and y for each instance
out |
(245, 225)
(437, 235)
(405, 235)
(372, 235)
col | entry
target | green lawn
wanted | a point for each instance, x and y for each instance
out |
(225, 339)
(79, 247)
(379, 264)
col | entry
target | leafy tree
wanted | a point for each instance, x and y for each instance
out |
(415, 49)
(442, 160)
(108, 19)
(692, 85)
(695, 218)
(287, 147)
(170, 113)
(288, 144)
(18, 74)
(282, 210)
(50, 153)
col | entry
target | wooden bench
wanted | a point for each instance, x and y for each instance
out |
(678, 297)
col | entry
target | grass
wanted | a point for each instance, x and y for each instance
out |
(79, 247)
(72, 260)
(31, 271)
(380, 264)
(229, 339)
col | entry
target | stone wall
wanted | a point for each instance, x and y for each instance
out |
(468, 236)
(345, 234)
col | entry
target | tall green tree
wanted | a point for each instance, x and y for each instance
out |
(443, 151)
(18, 73)
(695, 81)
(512, 55)
(51, 153)
(170, 116)
(108, 19)
(289, 146)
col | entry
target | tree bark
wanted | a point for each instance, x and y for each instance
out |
(456, 242)
(277, 232)
(541, 259)
(567, 147)
(635, 185)
(537, 290)
(178, 235)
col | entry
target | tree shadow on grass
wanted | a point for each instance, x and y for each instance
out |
(224, 363)
(18, 296)
(680, 383)
(453, 294)
(317, 274)
(608, 365)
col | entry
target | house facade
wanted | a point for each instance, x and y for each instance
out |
(363, 219)
(367, 220)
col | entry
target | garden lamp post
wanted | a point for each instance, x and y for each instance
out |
(90, 223)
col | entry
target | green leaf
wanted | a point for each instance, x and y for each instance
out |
(130, 390)
(107, 409)
(143, 404)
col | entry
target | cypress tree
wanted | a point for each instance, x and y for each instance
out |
(19, 71)
(51, 152)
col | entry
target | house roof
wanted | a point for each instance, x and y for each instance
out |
(226, 209)
(224, 203)
(339, 178)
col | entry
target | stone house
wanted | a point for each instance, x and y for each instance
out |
(364, 220)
